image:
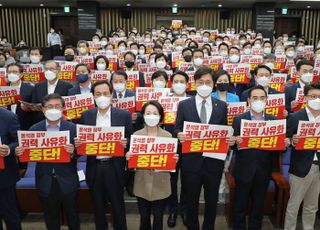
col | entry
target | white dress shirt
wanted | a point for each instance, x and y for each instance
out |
(52, 88)
(315, 119)
(123, 93)
(14, 106)
(104, 121)
(208, 106)
(85, 90)
(54, 39)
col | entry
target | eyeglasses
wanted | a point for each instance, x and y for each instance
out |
(53, 106)
(313, 96)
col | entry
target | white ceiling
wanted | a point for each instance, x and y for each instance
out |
(164, 3)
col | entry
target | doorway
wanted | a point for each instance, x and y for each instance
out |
(288, 25)
(69, 26)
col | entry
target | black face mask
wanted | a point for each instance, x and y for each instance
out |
(69, 57)
(187, 58)
(129, 64)
(222, 87)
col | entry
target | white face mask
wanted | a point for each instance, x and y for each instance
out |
(307, 77)
(198, 61)
(314, 104)
(258, 46)
(204, 90)
(95, 40)
(159, 84)
(103, 102)
(119, 87)
(34, 59)
(13, 77)
(263, 81)
(179, 88)
(109, 52)
(234, 58)
(270, 65)
(179, 48)
(242, 42)
(122, 48)
(147, 40)
(224, 53)
(52, 31)
(141, 52)
(53, 114)
(151, 120)
(134, 51)
(161, 64)
(50, 75)
(205, 39)
(258, 106)
(103, 43)
(267, 50)
(82, 50)
(291, 53)
(300, 49)
(101, 66)
(247, 51)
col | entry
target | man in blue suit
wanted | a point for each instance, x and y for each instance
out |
(119, 83)
(252, 168)
(83, 78)
(57, 183)
(305, 73)
(9, 124)
(197, 170)
(105, 175)
(14, 72)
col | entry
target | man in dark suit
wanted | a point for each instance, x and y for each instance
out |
(252, 168)
(9, 124)
(105, 175)
(57, 183)
(83, 78)
(304, 170)
(51, 85)
(305, 73)
(14, 72)
(129, 62)
(262, 76)
(197, 170)
(119, 84)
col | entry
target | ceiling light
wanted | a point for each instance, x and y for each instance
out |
(0, 4)
(41, 4)
(219, 5)
(175, 4)
(308, 6)
(128, 4)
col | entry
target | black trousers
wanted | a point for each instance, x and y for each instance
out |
(255, 190)
(8, 209)
(55, 51)
(108, 188)
(146, 208)
(193, 182)
(52, 206)
(173, 204)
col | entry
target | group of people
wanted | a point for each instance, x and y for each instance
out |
(161, 51)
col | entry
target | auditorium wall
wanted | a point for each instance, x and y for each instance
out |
(33, 24)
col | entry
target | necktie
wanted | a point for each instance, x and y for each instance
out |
(120, 95)
(203, 112)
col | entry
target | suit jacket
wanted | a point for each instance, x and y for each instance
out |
(149, 184)
(128, 93)
(9, 124)
(245, 94)
(74, 90)
(119, 117)
(25, 118)
(301, 160)
(66, 173)
(249, 161)
(41, 90)
(187, 111)
(290, 95)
